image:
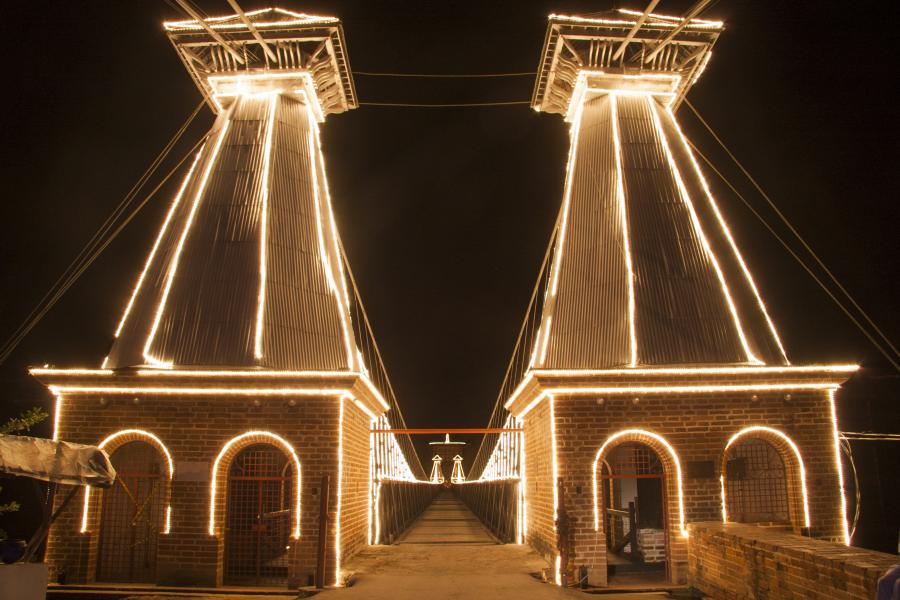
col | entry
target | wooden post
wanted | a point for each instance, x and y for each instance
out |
(632, 528)
(323, 531)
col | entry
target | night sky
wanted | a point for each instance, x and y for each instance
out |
(445, 213)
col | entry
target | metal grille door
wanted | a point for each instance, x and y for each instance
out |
(756, 483)
(258, 517)
(132, 516)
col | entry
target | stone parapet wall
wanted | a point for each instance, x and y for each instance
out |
(736, 561)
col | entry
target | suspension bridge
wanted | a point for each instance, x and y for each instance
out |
(650, 413)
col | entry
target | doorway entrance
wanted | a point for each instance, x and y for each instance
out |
(132, 516)
(258, 517)
(634, 516)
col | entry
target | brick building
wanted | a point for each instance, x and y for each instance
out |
(650, 381)
(242, 371)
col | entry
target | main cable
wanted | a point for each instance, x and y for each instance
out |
(793, 230)
(796, 257)
(456, 105)
(38, 313)
(106, 225)
(446, 76)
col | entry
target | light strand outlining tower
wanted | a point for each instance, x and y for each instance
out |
(242, 363)
(647, 353)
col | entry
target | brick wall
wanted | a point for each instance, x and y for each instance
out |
(697, 427)
(540, 528)
(743, 561)
(195, 429)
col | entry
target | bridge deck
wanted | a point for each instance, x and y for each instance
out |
(448, 554)
(447, 521)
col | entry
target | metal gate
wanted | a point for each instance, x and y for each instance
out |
(634, 501)
(132, 516)
(756, 483)
(258, 517)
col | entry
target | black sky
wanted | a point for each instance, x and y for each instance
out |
(445, 213)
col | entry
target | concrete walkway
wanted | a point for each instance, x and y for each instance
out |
(447, 554)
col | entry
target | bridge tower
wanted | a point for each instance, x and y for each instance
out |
(654, 387)
(242, 373)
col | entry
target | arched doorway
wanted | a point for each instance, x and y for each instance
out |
(756, 483)
(634, 520)
(132, 515)
(260, 497)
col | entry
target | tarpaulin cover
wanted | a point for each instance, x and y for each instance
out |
(59, 462)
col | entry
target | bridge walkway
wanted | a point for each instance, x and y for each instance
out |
(447, 554)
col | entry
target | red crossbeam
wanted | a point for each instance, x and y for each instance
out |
(474, 430)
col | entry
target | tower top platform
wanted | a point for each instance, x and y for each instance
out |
(270, 49)
(621, 49)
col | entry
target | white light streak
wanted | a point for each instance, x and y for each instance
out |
(165, 226)
(340, 480)
(341, 291)
(169, 462)
(215, 471)
(201, 188)
(56, 417)
(726, 231)
(694, 23)
(217, 22)
(555, 461)
(623, 211)
(698, 229)
(199, 391)
(840, 467)
(264, 226)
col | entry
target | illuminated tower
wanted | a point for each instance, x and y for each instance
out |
(655, 375)
(458, 475)
(240, 371)
(437, 473)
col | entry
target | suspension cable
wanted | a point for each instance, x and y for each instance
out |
(56, 292)
(796, 257)
(794, 231)
(448, 105)
(104, 227)
(446, 75)
(537, 285)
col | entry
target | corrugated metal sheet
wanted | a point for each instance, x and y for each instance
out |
(210, 315)
(682, 314)
(761, 338)
(590, 324)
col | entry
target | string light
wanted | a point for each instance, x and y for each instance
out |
(342, 291)
(694, 23)
(337, 522)
(623, 212)
(165, 226)
(671, 18)
(177, 255)
(839, 466)
(56, 417)
(698, 229)
(169, 462)
(724, 226)
(263, 226)
(217, 22)
(215, 472)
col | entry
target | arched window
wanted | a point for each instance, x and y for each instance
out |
(764, 479)
(756, 483)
